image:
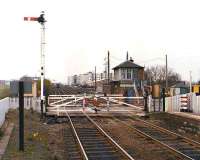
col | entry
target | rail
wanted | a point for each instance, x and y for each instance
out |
(103, 133)
(170, 132)
(110, 139)
(84, 155)
(154, 139)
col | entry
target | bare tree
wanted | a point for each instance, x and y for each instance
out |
(156, 74)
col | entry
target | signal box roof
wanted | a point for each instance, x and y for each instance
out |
(128, 64)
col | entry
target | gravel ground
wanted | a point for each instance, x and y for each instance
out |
(185, 126)
(48, 142)
(42, 142)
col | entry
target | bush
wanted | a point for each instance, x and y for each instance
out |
(4, 92)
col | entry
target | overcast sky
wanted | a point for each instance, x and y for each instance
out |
(79, 33)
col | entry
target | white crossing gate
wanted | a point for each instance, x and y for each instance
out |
(61, 104)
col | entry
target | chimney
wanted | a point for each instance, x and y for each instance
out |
(131, 60)
(127, 56)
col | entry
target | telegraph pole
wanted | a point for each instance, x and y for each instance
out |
(190, 81)
(108, 67)
(95, 78)
(166, 74)
(42, 21)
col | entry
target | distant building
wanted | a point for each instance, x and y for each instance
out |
(84, 79)
(4, 83)
(30, 86)
(87, 78)
(72, 80)
(179, 88)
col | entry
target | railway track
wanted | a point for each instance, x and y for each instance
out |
(69, 90)
(72, 151)
(93, 142)
(179, 145)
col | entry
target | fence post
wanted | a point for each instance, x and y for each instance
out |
(21, 115)
(163, 96)
(149, 103)
(84, 101)
(108, 104)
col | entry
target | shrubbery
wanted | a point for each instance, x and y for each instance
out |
(4, 92)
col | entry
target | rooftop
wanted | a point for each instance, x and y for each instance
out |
(128, 64)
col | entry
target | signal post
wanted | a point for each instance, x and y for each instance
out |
(42, 21)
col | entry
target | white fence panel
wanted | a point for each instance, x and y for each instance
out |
(13, 103)
(176, 103)
(198, 104)
(4, 106)
(29, 102)
(168, 104)
(173, 104)
(195, 104)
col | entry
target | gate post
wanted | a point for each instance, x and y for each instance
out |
(46, 104)
(163, 96)
(21, 115)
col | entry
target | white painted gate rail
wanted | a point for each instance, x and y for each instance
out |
(62, 103)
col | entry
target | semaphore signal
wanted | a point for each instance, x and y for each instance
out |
(42, 21)
(30, 18)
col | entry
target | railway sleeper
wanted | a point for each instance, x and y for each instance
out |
(104, 157)
(97, 146)
(95, 139)
(74, 157)
(190, 152)
(94, 143)
(99, 149)
(105, 152)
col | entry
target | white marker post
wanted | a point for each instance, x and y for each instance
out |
(42, 47)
